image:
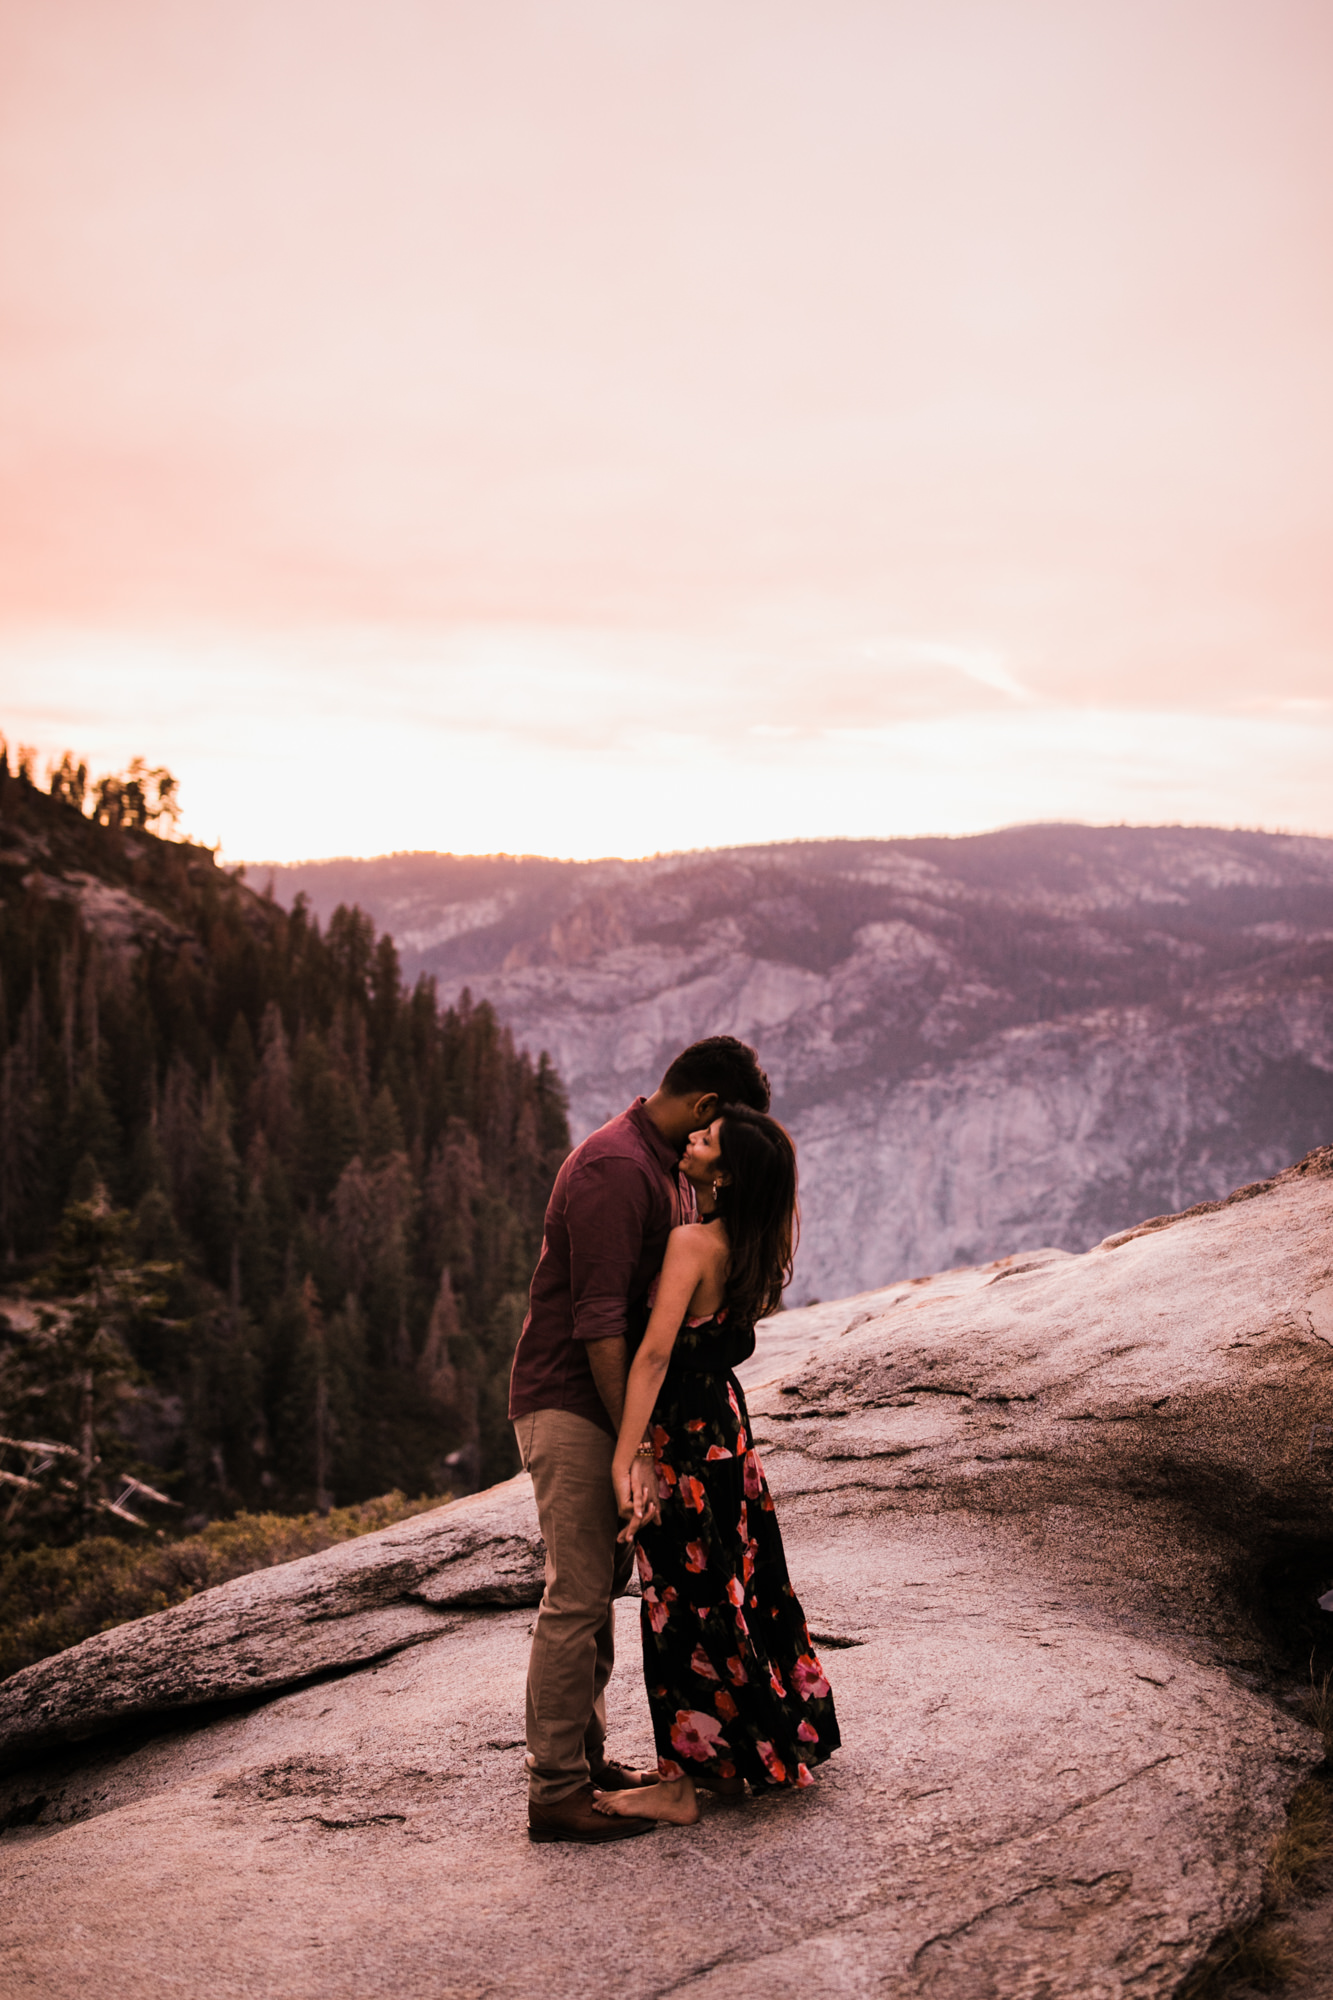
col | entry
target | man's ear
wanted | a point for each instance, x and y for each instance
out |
(705, 1109)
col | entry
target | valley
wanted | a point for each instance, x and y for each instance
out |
(1026, 1038)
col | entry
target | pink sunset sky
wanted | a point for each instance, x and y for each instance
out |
(590, 426)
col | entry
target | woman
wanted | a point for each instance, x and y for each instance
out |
(735, 1689)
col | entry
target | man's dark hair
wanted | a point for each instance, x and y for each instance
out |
(721, 1064)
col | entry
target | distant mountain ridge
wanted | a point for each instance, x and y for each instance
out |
(1034, 1036)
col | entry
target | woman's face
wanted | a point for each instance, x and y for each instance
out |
(702, 1158)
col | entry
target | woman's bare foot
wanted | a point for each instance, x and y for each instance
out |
(674, 1802)
(613, 1776)
(723, 1788)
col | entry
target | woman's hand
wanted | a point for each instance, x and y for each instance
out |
(637, 1494)
(688, 1255)
(620, 1481)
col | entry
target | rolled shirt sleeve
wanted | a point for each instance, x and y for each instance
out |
(610, 1202)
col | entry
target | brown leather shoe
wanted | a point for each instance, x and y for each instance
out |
(613, 1776)
(573, 1818)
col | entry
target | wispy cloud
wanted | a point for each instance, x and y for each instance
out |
(306, 745)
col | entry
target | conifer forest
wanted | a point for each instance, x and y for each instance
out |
(267, 1215)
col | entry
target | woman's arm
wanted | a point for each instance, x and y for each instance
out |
(686, 1259)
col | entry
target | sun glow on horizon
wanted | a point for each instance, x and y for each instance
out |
(587, 745)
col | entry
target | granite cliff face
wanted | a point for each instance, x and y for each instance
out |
(1034, 1036)
(1060, 1525)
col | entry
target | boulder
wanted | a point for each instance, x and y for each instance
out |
(344, 1607)
(1059, 1524)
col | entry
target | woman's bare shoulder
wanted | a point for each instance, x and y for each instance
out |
(698, 1241)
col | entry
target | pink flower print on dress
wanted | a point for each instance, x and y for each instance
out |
(775, 1682)
(692, 1492)
(742, 1444)
(803, 1776)
(697, 1736)
(748, 1560)
(659, 1609)
(660, 1438)
(736, 1668)
(735, 1406)
(754, 1479)
(735, 1591)
(805, 1734)
(701, 1664)
(695, 1424)
(714, 1452)
(667, 1769)
(807, 1677)
(666, 1473)
(724, 1705)
(773, 1764)
(642, 1564)
(696, 1557)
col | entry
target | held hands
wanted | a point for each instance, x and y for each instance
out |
(637, 1495)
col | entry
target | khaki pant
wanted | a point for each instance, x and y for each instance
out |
(573, 1642)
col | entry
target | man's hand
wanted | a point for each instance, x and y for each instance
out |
(637, 1496)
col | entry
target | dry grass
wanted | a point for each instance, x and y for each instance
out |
(1265, 1955)
(1262, 1955)
(1319, 1708)
(1303, 1843)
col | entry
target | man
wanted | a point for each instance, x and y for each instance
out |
(615, 1200)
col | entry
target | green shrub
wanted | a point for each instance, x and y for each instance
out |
(53, 1598)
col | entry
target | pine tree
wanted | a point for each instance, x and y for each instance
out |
(346, 1178)
(68, 1379)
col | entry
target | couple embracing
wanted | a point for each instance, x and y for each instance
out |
(669, 1234)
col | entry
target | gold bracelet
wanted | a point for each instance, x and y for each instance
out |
(645, 1450)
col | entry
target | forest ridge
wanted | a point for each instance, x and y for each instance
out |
(307, 1196)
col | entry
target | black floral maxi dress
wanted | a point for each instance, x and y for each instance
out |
(734, 1684)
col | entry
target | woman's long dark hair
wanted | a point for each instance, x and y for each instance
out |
(757, 1202)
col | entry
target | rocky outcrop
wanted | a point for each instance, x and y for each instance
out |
(345, 1607)
(1054, 1520)
(1030, 1036)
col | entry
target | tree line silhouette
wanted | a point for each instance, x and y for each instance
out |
(267, 1216)
(135, 797)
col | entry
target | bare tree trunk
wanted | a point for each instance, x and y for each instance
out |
(323, 1497)
(87, 1459)
(68, 995)
(317, 1337)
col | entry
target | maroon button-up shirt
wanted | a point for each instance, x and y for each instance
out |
(615, 1201)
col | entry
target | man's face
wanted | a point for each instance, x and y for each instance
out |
(703, 1111)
